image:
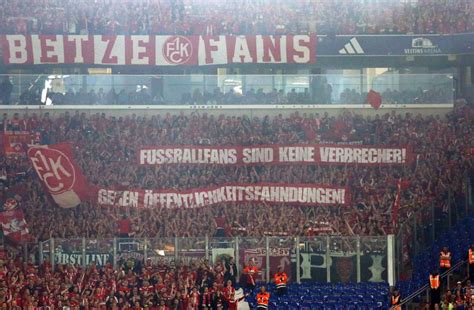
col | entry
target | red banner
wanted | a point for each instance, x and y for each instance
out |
(158, 50)
(16, 142)
(275, 154)
(59, 173)
(279, 258)
(289, 194)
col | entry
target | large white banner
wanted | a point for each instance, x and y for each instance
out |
(274, 193)
(158, 50)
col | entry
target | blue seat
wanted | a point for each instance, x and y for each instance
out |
(293, 306)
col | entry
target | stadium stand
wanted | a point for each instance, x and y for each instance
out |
(150, 285)
(440, 151)
(459, 238)
(199, 17)
(90, 221)
(368, 216)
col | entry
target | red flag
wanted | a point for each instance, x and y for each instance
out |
(374, 99)
(14, 225)
(59, 173)
(15, 142)
(396, 203)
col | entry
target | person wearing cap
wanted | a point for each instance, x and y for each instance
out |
(458, 288)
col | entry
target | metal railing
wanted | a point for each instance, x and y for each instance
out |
(424, 227)
(321, 258)
(425, 289)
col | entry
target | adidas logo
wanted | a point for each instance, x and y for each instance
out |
(352, 47)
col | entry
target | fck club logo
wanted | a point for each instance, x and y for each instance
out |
(177, 50)
(53, 168)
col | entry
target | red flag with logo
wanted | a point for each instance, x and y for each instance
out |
(14, 225)
(374, 99)
(59, 173)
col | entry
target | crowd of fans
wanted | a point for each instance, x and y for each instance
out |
(105, 149)
(216, 17)
(135, 285)
(460, 297)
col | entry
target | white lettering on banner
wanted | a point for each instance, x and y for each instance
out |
(78, 41)
(362, 155)
(118, 198)
(272, 251)
(17, 48)
(45, 51)
(188, 156)
(77, 258)
(177, 50)
(271, 49)
(215, 50)
(229, 193)
(55, 166)
(109, 50)
(167, 50)
(257, 155)
(54, 49)
(303, 53)
(54, 169)
(139, 51)
(241, 51)
(296, 154)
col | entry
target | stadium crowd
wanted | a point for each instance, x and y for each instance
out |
(218, 17)
(105, 149)
(134, 285)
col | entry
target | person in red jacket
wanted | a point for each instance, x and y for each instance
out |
(251, 272)
(262, 299)
(281, 279)
(227, 291)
